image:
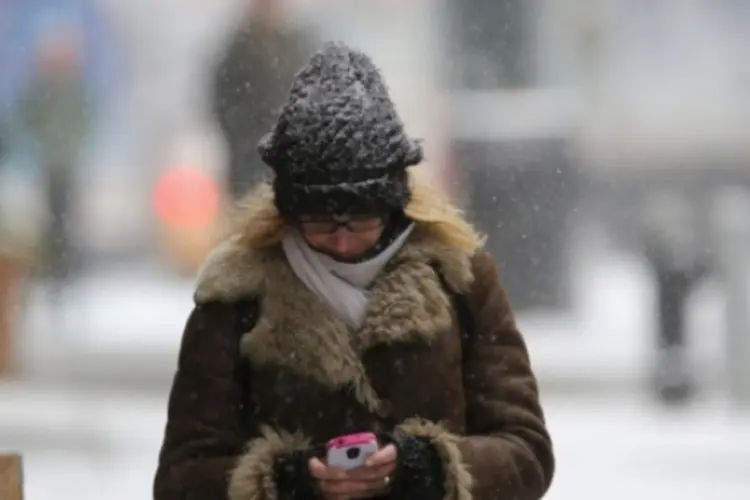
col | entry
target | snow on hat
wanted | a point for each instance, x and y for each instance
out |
(338, 146)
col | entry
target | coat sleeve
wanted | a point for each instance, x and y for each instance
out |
(506, 453)
(207, 452)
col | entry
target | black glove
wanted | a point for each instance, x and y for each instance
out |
(292, 475)
(419, 471)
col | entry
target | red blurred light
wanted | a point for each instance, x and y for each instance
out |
(186, 198)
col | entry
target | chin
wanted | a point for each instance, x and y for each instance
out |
(341, 257)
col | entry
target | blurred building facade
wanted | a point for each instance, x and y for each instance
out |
(566, 87)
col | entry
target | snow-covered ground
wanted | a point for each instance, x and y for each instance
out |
(92, 446)
(621, 448)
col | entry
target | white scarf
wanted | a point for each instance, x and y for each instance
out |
(343, 286)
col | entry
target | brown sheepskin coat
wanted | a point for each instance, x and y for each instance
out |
(308, 379)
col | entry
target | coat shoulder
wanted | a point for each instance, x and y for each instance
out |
(483, 266)
(232, 272)
(454, 265)
(487, 286)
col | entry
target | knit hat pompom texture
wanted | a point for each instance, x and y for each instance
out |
(339, 147)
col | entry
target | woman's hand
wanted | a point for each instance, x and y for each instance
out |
(371, 480)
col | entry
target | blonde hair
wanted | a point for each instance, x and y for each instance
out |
(258, 223)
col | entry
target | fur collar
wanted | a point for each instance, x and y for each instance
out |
(409, 303)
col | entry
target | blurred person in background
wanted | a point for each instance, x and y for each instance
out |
(14, 256)
(351, 298)
(5, 265)
(53, 110)
(11, 257)
(8, 270)
(675, 249)
(250, 84)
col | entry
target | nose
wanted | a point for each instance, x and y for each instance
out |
(342, 242)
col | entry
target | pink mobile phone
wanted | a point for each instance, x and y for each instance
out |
(351, 451)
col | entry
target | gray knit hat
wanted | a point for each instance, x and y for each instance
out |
(338, 146)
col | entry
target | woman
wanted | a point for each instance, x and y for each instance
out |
(351, 299)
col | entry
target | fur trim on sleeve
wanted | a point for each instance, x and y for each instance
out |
(253, 477)
(458, 480)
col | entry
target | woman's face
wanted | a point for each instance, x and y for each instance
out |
(343, 238)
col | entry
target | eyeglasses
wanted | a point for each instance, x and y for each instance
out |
(331, 225)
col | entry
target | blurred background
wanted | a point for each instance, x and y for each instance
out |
(602, 145)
